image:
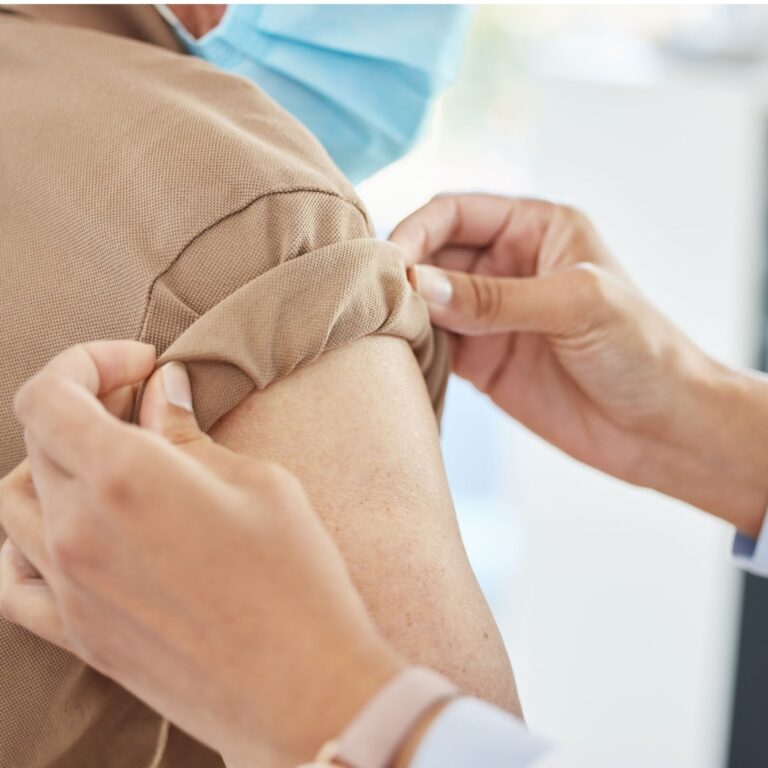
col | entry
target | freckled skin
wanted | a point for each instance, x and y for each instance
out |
(357, 428)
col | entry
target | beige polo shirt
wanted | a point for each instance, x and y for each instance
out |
(145, 194)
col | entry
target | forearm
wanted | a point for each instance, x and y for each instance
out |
(716, 458)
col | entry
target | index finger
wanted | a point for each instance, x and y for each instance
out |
(59, 405)
(468, 220)
(104, 366)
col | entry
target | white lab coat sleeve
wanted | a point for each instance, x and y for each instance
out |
(752, 554)
(469, 733)
(566, 758)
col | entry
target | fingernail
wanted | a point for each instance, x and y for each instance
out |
(432, 284)
(176, 385)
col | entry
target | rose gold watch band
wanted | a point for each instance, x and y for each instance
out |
(374, 737)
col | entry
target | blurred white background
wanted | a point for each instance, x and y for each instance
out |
(619, 607)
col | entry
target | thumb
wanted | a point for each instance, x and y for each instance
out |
(166, 406)
(471, 304)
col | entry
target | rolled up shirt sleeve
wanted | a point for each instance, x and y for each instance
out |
(469, 733)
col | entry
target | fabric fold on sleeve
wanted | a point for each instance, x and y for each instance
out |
(286, 317)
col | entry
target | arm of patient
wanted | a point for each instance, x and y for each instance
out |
(357, 427)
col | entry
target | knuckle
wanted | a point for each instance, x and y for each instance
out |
(20, 479)
(24, 396)
(580, 231)
(274, 475)
(112, 479)
(274, 480)
(67, 557)
(589, 281)
(442, 201)
(575, 216)
(241, 469)
(445, 207)
(595, 288)
(65, 554)
(35, 390)
(112, 486)
(71, 550)
(487, 298)
(15, 486)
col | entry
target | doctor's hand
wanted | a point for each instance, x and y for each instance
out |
(199, 579)
(550, 327)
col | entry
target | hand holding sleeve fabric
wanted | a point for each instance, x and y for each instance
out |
(146, 194)
(281, 296)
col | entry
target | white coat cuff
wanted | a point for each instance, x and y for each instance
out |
(469, 733)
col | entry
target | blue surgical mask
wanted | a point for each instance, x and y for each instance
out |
(360, 77)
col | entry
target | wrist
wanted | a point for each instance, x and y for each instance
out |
(351, 681)
(713, 452)
(386, 731)
(336, 686)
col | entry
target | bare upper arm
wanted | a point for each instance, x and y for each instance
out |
(358, 429)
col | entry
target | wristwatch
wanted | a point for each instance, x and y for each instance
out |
(374, 737)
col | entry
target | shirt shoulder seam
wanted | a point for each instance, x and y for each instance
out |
(274, 193)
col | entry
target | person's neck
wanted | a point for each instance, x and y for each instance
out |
(198, 19)
(138, 22)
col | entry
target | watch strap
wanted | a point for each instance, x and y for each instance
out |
(381, 727)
